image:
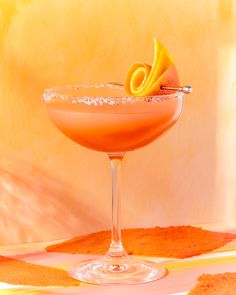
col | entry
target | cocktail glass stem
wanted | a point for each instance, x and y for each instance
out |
(116, 255)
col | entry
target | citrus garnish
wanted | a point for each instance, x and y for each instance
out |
(143, 79)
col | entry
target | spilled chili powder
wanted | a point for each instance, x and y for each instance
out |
(172, 241)
(217, 284)
(17, 272)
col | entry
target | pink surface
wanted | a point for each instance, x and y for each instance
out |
(183, 273)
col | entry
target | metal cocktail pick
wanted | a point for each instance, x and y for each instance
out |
(185, 89)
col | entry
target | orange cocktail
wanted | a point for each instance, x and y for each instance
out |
(114, 119)
(113, 123)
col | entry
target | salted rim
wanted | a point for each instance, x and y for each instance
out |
(53, 93)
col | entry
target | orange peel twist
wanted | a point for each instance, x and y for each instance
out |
(143, 79)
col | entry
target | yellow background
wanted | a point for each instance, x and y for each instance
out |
(52, 188)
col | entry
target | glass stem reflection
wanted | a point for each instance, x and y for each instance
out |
(116, 250)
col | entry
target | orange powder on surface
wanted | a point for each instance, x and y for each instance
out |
(17, 272)
(172, 241)
(217, 284)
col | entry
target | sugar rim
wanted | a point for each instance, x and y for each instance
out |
(53, 93)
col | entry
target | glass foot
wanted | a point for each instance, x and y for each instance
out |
(130, 271)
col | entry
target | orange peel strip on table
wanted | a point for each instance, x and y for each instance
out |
(215, 284)
(170, 242)
(18, 272)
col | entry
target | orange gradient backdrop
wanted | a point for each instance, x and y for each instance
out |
(52, 188)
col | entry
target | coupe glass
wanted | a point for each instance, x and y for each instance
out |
(103, 118)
